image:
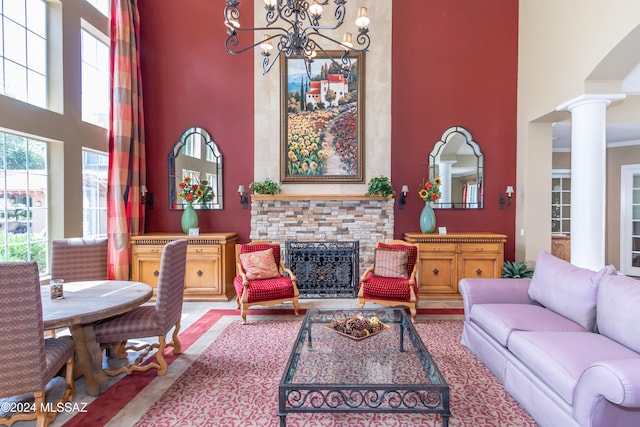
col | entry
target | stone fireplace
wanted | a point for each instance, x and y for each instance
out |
(311, 218)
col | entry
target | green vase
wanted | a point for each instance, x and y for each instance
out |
(427, 219)
(189, 218)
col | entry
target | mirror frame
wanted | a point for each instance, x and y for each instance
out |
(207, 144)
(437, 151)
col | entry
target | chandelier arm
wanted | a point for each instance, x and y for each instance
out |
(266, 67)
(362, 39)
(232, 40)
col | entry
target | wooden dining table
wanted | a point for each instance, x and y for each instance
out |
(84, 304)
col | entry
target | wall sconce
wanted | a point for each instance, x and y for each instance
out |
(147, 197)
(403, 198)
(244, 199)
(509, 192)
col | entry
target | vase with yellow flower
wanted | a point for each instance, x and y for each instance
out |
(430, 193)
(192, 192)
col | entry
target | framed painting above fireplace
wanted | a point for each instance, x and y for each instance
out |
(322, 129)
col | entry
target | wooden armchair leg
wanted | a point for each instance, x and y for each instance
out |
(175, 341)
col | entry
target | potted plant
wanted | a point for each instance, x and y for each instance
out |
(380, 185)
(516, 270)
(265, 187)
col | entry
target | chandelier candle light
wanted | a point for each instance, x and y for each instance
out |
(297, 24)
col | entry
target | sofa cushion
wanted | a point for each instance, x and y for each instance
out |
(566, 289)
(499, 320)
(560, 358)
(619, 310)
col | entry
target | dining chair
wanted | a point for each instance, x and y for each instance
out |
(150, 320)
(28, 361)
(262, 278)
(391, 280)
(76, 259)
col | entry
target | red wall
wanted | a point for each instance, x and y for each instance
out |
(453, 63)
(190, 80)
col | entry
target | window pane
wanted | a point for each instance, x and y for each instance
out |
(566, 198)
(566, 212)
(566, 226)
(636, 228)
(566, 184)
(36, 53)
(94, 192)
(636, 196)
(15, 11)
(15, 80)
(555, 211)
(635, 212)
(15, 50)
(555, 226)
(37, 86)
(555, 184)
(95, 80)
(555, 198)
(101, 5)
(24, 50)
(636, 181)
(23, 210)
(37, 17)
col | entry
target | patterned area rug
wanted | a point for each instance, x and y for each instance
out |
(234, 382)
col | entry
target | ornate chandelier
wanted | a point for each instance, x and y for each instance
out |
(297, 24)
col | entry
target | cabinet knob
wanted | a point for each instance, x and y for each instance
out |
(435, 271)
(479, 272)
(156, 273)
(199, 273)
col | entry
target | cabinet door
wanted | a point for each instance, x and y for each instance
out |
(480, 261)
(437, 270)
(202, 276)
(146, 265)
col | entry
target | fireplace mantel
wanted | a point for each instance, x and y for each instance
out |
(267, 197)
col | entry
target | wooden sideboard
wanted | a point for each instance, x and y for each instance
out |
(210, 266)
(444, 259)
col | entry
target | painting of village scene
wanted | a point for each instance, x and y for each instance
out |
(323, 120)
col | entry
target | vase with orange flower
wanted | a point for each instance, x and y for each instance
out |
(430, 193)
(189, 192)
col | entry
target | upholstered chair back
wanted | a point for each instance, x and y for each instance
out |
(76, 259)
(171, 283)
(412, 253)
(22, 359)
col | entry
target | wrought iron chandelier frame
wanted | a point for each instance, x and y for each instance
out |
(302, 38)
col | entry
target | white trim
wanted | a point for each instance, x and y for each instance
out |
(626, 214)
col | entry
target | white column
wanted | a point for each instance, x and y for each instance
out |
(444, 167)
(588, 178)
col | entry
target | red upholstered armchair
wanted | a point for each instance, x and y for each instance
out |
(391, 281)
(262, 277)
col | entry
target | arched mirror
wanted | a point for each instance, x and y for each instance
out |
(457, 160)
(196, 156)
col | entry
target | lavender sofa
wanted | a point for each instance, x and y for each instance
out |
(565, 344)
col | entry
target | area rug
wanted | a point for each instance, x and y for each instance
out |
(234, 382)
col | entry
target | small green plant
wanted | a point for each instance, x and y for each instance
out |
(516, 270)
(380, 185)
(265, 187)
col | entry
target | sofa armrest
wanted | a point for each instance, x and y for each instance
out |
(493, 291)
(617, 381)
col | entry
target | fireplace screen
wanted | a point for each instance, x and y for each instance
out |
(324, 269)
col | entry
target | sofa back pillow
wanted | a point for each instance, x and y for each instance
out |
(618, 312)
(566, 289)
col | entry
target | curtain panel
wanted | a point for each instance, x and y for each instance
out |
(127, 172)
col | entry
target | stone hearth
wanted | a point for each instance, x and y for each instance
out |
(309, 218)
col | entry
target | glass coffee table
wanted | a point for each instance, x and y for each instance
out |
(387, 371)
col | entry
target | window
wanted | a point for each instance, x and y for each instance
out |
(23, 200)
(95, 80)
(101, 5)
(94, 193)
(23, 50)
(630, 220)
(561, 203)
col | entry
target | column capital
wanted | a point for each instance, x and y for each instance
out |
(590, 98)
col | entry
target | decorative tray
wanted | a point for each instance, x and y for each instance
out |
(357, 327)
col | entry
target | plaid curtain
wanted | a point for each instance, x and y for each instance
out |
(127, 173)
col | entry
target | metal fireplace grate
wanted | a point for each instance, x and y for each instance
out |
(324, 269)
